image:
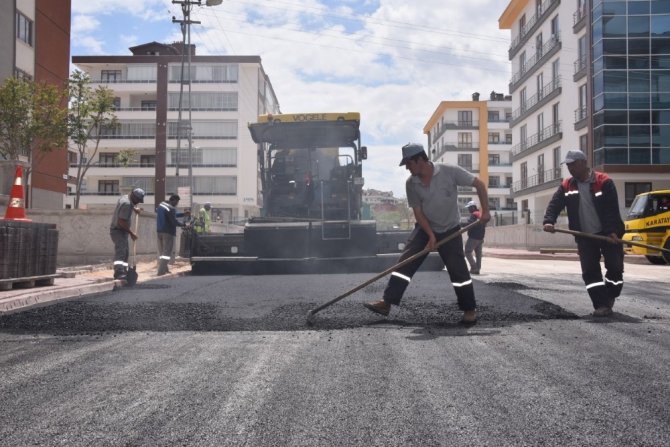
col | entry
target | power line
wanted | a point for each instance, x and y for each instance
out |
(392, 23)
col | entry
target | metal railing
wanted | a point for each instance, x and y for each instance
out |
(580, 64)
(530, 64)
(580, 114)
(534, 140)
(549, 88)
(536, 180)
(529, 27)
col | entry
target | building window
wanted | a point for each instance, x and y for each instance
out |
(508, 183)
(494, 116)
(20, 74)
(108, 187)
(494, 137)
(494, 182)
(583, 142)
(508, 138)
(465, 161)
(148, 105)
(464, 140)
(117, 103)
(107, 159)
(465, 118)
(524, 175)
(494, 159)
(147, 161)
(110, 76)
(24, 28)
(633, 189)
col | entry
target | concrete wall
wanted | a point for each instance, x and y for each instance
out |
(527, 237)
(83, 235)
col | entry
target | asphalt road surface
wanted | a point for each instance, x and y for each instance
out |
(230, 361)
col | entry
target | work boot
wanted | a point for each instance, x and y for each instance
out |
(602, 312)
(381, 307)
(469, 318)
(162, 267)
(120, 273)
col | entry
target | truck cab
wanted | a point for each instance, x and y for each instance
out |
(648, 222)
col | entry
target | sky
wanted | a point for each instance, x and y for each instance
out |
(393, 61)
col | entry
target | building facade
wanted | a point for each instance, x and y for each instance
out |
(36, 46)
(577, 84)
(228, 92)
(476, 136)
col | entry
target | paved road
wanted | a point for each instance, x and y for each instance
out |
(230, 361)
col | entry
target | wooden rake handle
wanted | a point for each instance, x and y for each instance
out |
(609, 239)
(392, 268)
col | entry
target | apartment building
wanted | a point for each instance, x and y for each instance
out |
(35, 45)
(476, 136)
(228, 92)
(587, 75)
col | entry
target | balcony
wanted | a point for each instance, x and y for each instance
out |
(580, 118)
(579, 19)
(544, 180)
(580, 68)
(532, 25)
(548, 135)
(548, 92)
(451, 147)
(542, 56)
(451, 125)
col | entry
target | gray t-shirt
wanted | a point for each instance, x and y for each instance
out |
(588, 216)
(439, 200)
(124, 210)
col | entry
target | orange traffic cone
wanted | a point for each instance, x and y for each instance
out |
(16, 209)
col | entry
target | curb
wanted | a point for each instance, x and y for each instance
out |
(36, 297)
(22, 302)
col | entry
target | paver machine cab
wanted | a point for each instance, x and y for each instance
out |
(310, 170)
(311, 165)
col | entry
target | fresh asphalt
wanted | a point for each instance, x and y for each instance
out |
(230, 360)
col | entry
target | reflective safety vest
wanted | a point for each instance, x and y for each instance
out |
(203, 223)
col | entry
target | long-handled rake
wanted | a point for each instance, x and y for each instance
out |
(311, 313)
(609, 239)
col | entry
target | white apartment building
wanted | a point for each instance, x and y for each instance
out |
(228, 92)
(476, 136)
(549, 95)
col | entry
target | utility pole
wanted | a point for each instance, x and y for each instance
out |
(185, 24)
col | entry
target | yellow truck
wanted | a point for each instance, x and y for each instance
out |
(648, 222)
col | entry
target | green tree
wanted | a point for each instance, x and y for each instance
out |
(33, 119)
(91, 115)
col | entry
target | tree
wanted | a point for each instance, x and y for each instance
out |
(33, 119)
(90, 117)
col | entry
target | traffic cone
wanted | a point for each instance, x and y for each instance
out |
(16, 209)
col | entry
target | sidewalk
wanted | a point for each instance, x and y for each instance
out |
(74, 282)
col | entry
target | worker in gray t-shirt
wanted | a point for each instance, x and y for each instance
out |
(432, 193)
(119, 230)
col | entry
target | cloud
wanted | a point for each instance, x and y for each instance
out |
(84, 24)
(391, 60)
(93, 45)
(147, 10)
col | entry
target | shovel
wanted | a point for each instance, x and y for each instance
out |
(131, 276)
(608, 239)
